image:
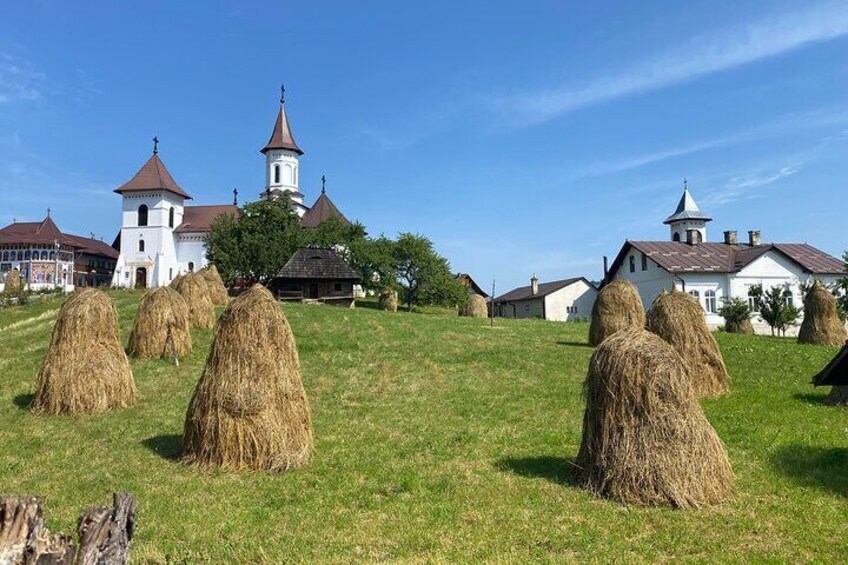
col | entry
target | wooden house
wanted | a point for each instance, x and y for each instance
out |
(316, 275)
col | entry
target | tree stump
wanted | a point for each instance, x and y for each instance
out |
(104, 534)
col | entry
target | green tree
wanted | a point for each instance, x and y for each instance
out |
(257, 242)
(373, 259)
(735, 312)
(776, 310)
(424, 276)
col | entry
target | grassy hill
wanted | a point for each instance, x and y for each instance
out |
(437, 439)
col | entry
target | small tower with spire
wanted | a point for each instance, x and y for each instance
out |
(688, 224)
(282, 161)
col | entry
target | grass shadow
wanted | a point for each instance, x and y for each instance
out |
(23, 401)
(167, 446)
(825, 468)
(574, 343)
(558, 470)
(810, 398)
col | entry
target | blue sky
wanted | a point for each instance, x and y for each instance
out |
(520, 137)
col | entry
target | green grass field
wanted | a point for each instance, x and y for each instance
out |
(438, 439)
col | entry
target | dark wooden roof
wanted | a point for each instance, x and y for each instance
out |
(468, 282)
(317, 264)
(526, 292)
(320, 211)
(679, 257)
(153, 176)
(199, 218)
(281, 137)
(836, 372)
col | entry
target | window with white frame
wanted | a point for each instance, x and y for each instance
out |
(710, 302)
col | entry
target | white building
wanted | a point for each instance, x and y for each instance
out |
(713, 271)
(559, 301)
(162, 237)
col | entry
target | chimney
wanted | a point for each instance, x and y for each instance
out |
(754, 238)
(730, 237)
(534, 285)
(693, 237)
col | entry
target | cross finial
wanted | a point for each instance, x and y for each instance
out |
(155, 144)
(282, 94)
(48, 212)
(323, 184)
(235, 197)
(685, 184)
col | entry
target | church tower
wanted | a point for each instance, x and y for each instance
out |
(281, 162)
(688, 224)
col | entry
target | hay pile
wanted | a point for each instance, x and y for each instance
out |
(838, 396)
(388, 300)
(475, 307)
(679, 319)
(161, 326)
(217, 291)
(175, 282)
(14, 282)
(86, 370)
(249, 409)
(821, 325)
(645, 438)
(195, 292)
(743, 327)
(617, 306)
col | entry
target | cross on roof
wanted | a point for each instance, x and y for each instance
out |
(282, 94)
(48, 212)
(235, 197)
(155, 145)
(323, 184)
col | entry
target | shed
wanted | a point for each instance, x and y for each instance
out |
(316, 275)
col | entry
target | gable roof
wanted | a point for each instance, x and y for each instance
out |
(320, 211)
(526, 292)
(835, 373)
(317, 264)
(468, 282)
(44, 232)
(687, 209)
(93, 246)
(678, 257)
(281, 137)
(200, 218)
(153, 176)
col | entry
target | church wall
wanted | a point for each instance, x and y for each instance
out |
(191, 248)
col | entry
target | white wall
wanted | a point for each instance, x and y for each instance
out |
(532, 308)
(579, 296)
(650, 282)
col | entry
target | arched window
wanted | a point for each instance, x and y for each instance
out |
(142, 215)
(26, 255)
(5, 256)
(190, 266)
(140, 245)
(710, 302)
(171, 217)
(52, 255)
(20, 255)
(289, 175)
(295, 176)
(44, 256)
(676, 236)
(276, 174)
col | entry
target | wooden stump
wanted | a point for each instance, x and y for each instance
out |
(104, 534)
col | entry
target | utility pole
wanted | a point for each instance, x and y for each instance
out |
(492, 304)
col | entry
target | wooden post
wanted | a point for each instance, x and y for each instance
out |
(492, 304)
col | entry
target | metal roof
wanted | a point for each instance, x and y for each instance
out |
(526, 292)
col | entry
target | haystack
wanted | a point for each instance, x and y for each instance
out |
(217, 291)
(821, 325)
(741, 327)
(175, 282)
(617, 306)
(474, 307)
(838, 396)
(194, 290)
(86, 370)
(645, 438)
(679, 319)
(388, 300)
(249, 409)
(14, 282)
(162, 326)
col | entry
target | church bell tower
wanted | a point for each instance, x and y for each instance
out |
(688, 224)
(282, 161)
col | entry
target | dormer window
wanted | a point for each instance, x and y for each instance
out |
(142, 215)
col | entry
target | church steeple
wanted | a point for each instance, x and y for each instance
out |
(281, 161)
(688, 218)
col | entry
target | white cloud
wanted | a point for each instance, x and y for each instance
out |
(18, 81)
(742, 187)
(705, 54)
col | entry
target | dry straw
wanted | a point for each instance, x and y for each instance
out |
(645, 438)
(217, 291)
(474, 307)
(249, 410)
(175, 282)
(161, 326)
(617, 306)
(195, 292)
(388, 300)
(14, 282)
(679, 319)
(86, 370)
(821, 325)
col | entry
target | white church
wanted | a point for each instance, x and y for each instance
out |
(711, 271)
(161, 236)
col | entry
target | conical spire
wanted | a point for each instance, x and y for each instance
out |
(153, 176)
(281, 137)
(687, 208)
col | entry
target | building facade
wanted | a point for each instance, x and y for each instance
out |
(560, 301)
(715, 271)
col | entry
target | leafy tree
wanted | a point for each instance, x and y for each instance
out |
(424, 276)
(776, 310)
(374, 259)
(257, 242)
(735, 311)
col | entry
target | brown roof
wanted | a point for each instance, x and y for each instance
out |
(44, 232)
(526, 292)
(153, 176)
(465, 280)
(679, 257)
(317, 264)
(93, 246)
(320, 211)
(281, 137)
(199, 218)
